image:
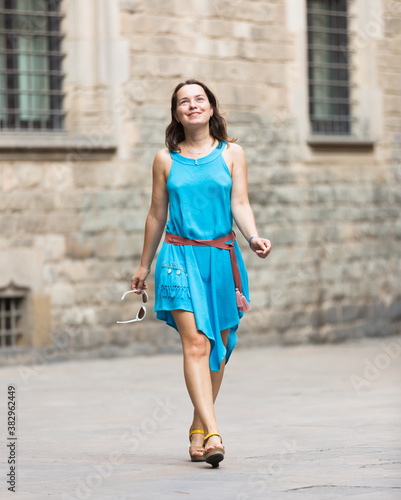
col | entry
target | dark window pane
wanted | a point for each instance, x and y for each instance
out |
(30, 64)
(328, 72)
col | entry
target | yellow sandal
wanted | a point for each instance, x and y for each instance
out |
(215, 455)
(196, 458)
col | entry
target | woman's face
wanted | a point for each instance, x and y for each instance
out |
(193, 106)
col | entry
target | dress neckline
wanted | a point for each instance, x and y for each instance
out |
(200, 161)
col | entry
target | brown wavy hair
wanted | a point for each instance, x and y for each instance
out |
(217, 124)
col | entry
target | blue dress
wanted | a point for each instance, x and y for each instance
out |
(194, 278)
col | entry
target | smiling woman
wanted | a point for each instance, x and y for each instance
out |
(201, 282)
(183, 107)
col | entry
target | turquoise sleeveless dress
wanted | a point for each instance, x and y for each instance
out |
(200, 279)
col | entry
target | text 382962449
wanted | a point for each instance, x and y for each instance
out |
(12, 439)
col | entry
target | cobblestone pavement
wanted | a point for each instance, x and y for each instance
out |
(301, 422)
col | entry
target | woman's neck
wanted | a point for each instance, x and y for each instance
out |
(198, 139)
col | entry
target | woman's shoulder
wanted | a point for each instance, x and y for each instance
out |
(235, 150)
(163, 156)
(233, 146)
(162, 163)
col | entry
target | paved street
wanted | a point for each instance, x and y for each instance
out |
(302, 422)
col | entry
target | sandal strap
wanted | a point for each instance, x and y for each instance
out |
(195, 431)
(210, 435)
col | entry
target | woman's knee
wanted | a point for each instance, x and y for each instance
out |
(197, 345)
(194, 342)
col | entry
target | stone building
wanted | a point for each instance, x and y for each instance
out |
(312, 91)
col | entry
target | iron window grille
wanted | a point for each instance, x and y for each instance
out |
(31, 76)
(328, 69)
(11, 314)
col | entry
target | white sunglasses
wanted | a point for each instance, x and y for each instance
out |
(142, 310)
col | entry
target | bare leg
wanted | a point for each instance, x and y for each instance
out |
(196, 349)
(216, 378)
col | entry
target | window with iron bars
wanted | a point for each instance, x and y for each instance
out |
(31, 76)
(11, 315)
(328, 69)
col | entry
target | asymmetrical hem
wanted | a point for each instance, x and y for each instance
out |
(200, 279)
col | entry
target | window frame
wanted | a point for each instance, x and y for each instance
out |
(367, 95)
(94, 93)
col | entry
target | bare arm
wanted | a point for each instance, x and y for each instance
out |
(155, 221)
(240, 206)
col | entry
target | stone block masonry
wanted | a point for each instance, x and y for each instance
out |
(333, 215)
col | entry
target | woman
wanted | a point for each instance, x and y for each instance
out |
(201, 288)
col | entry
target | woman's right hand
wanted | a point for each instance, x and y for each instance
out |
(138, 280)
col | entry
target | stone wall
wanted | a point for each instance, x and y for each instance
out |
(332, 213)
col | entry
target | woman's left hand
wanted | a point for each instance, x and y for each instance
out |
(261, 247)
